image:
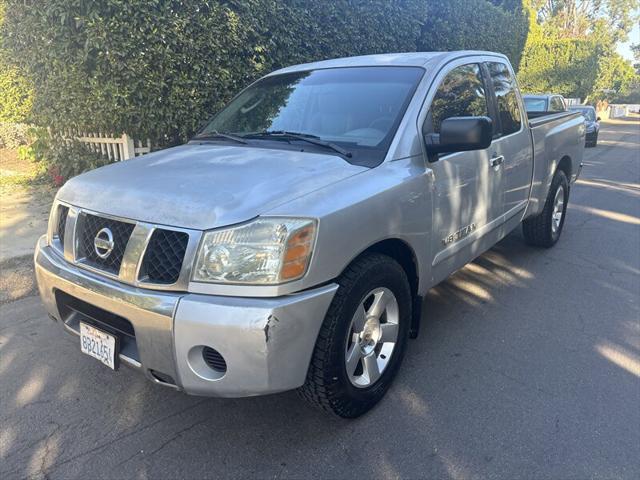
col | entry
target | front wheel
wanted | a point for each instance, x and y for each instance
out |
(362, 339)
(544, 229)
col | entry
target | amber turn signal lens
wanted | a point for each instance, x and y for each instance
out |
(297, 253)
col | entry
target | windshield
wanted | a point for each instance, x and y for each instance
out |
(588, 113)
(357, 108)
(535, 104)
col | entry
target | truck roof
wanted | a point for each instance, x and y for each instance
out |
(410, 59)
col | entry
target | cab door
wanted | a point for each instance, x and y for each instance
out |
(467, 198)
(511, 143)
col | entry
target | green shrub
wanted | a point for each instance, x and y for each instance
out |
(66, 159)
(565, 66)
(12, 135)
(59, 158)
(157, 68)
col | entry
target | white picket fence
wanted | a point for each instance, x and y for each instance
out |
(114, 148)
(617, 111)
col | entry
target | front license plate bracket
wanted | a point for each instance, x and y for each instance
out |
(102, 345)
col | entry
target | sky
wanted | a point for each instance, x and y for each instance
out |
(624, 49)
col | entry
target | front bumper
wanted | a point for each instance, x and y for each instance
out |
(266, 342)
(591, 136)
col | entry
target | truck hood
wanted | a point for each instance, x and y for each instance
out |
(204, 186)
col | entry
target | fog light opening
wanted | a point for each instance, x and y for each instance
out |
(214, 359)
(207, 362)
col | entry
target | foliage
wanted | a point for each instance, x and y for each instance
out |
(16, 95)
(631, 95)
(16, 92)
(565, 66)
(475, 25)
(12, 135)
(66, 159)
(615, 77)
(636, 57)
(59, 158)
(157, 68)
(570, 47)
(583, 18)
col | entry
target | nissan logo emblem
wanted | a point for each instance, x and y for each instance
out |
(103, 243)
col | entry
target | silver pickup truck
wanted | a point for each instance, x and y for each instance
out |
(288, 245)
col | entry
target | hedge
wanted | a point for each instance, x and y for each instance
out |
(16, 95)
(157, 68)
(565, 66)
(16, 92)
(476, 25)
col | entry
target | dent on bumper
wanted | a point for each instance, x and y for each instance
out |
(266, 342)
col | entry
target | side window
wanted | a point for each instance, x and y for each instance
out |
(461, 94)
(505, 89)
(557, 105)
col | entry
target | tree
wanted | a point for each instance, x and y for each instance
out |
(581, 18)
(615, 77)
(636, 56)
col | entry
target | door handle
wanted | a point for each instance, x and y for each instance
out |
(497, 161)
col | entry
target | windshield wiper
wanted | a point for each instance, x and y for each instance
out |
(213, 135)
(305, 137)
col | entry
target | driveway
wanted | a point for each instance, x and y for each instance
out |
(527, 366)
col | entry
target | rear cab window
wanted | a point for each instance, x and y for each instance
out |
(535, 104)
(557, 105)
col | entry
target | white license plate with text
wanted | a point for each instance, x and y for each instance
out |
(98, 344)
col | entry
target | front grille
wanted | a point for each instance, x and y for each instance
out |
(214, 360)
(63, 211)
(89, 227)
(163, 259)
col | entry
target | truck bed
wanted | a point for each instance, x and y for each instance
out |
(555, 136)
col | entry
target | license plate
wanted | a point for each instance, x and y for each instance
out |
(98, 344)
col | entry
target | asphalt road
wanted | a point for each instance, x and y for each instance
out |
(528, 366)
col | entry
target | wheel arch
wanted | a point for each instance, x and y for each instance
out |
(405, 255)
(401, 252)
(565, 166)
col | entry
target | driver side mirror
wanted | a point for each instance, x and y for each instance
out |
(459, 134)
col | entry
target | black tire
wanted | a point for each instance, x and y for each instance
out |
(539, 230)
(327, 385)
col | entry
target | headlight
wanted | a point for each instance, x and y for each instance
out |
(264, 251)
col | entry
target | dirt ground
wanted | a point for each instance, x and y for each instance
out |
(24, 212)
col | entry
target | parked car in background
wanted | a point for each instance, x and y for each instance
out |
(591, 122)
(288, 245)
(537, 105)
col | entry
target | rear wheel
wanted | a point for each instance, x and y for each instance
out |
(544, 229)
(363, 338)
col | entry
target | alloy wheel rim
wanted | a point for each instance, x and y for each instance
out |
(372, 337)
(558, 211)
